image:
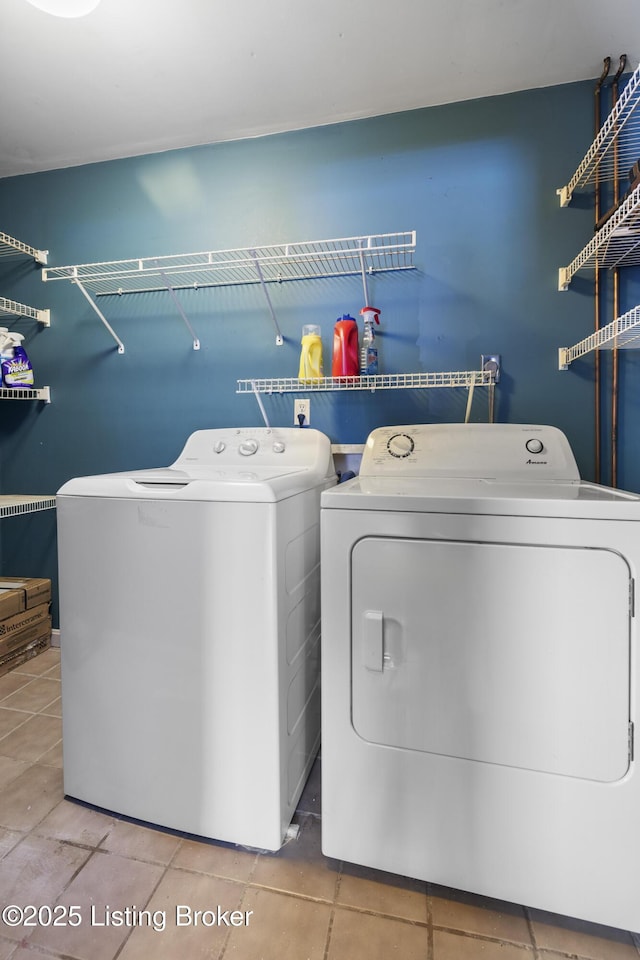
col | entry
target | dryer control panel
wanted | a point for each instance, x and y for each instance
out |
(500, 451)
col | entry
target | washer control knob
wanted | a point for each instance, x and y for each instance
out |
(278, 447)
(534, 445)
(248, 447)
(400, 445)
(219, 446)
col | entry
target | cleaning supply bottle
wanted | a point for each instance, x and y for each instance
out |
(311, 354)
(345, 361)
(14, 363)
(369, 350)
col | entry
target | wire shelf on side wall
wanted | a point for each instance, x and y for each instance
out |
(621, 334)
(13, 506)
(616, 147)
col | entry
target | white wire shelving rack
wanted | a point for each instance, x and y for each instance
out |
(265, 265)
(10, 247)
(615, 149)
(17, 505)
(616, 244)
(470, 379)
(621, 334)
(384, 381)
(11, 308)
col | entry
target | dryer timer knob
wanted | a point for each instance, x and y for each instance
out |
(400, 445)
(534, 445)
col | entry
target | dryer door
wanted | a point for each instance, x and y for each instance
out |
(501, 653)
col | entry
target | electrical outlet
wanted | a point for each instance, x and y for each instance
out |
(491, 362)
(302, 408)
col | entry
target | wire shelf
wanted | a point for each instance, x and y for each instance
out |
(388, 381)
(616, 244)
(11, 308)
(13, 506)
(10, 247)
(267, 264)
(616, 148)
(26, 393)
(621, 334)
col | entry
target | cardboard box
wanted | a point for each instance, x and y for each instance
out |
(18, 630)
(22, 654)
(32, 590)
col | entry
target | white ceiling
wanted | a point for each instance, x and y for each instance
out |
(138, 76)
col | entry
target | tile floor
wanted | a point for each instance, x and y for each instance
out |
(83, 866)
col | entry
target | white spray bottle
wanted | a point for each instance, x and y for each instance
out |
(368, 349)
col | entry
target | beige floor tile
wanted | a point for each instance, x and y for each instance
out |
(75, 823)
(10, 769)
(178, 897)
(36, 872)
(139, 843)
(359, 936)
(215, 859)
(473, 914)
(280, 927)
(299, 867)
(6, 948)
(26, 953)
(54, 673)
(10, 720)
(30, 797)
(53, 709)
(11, 682)
(35, 695)
(33, 738)
(589, 940)
(106, 883)
(381, 892)
(53, 757)
(41, 664)
(8, 840)
(453, 946)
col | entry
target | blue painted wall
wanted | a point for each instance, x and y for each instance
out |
(476, 180)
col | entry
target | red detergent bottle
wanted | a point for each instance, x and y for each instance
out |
(345, 361)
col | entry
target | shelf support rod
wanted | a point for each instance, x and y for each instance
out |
(101, 315)
(279, 337)
(364, 278)
(260, 404)
(178, 306)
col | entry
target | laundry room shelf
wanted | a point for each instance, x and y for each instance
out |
(616, 147)
(388, 381)
(621, 334)
(26, 393)
(616, 244)
(10, 308)
(13, 506)
(10, 247)
(265, 265)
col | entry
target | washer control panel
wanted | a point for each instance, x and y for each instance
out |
(502, 451)
(288, 447)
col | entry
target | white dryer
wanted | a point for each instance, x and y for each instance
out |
(480, 670)
(190, 633)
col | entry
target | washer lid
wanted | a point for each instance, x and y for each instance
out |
(242, 465)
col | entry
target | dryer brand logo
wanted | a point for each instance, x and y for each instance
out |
(537, 462)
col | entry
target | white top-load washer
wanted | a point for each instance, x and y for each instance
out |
(190, 625)
(479, 669)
